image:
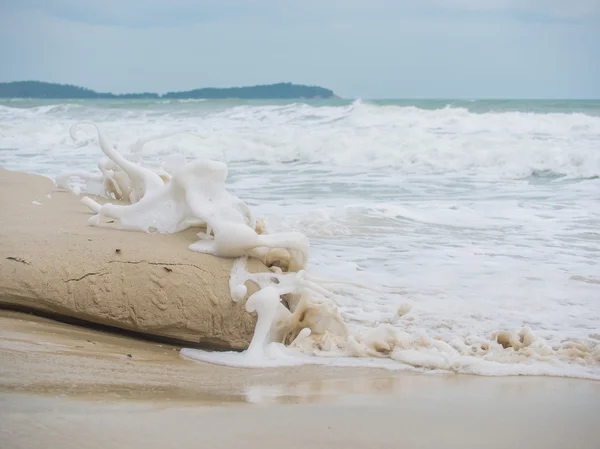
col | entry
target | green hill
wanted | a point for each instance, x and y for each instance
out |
(280, 90)
(38, 89)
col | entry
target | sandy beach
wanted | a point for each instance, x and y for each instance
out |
(85, 385)
(71, 387)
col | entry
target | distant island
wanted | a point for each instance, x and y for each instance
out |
(38, 89)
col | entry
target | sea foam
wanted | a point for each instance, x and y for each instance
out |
(298, 314)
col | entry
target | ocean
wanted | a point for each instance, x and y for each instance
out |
(465, 218)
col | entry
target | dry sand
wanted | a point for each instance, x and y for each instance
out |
(66, 386)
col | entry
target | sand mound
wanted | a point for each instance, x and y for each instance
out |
(52, 261)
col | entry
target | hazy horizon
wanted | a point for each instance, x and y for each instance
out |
(381, 49)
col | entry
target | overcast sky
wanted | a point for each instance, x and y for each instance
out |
(358, 48)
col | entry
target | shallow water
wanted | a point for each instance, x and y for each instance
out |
(482, 216)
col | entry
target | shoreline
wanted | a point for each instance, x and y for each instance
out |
(71, 387)
(25, 332)
(65, 352)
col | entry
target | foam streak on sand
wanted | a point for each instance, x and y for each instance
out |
(297, 312)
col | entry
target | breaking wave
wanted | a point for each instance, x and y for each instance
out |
(508, 144)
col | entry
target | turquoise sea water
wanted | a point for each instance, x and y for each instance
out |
(591, 107)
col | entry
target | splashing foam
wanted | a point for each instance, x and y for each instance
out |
(298, 315)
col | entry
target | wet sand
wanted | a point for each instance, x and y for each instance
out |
(65, 386)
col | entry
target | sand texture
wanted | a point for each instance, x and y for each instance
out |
(64, 386)
(52, 261)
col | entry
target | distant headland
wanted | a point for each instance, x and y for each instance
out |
(38, 89)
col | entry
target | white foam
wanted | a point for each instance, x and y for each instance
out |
(414, 140)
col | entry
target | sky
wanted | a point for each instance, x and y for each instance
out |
(358, 48)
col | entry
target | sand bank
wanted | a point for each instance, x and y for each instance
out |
(52, 261)
(71, 387)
